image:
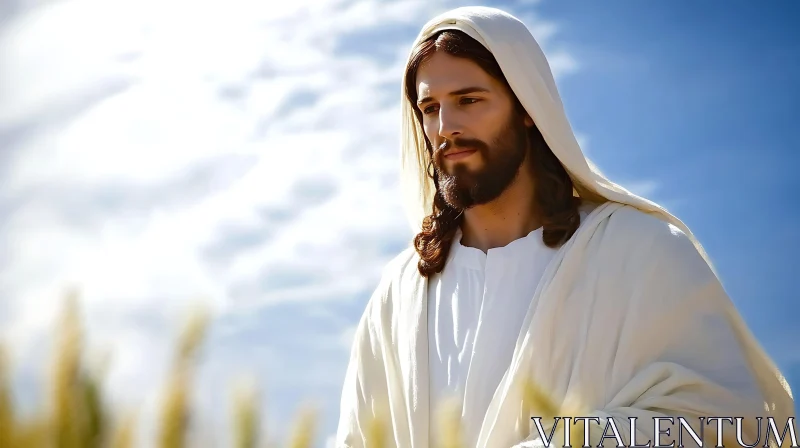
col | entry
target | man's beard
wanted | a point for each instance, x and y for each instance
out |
(463, 188)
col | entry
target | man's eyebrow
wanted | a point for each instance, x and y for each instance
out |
(464, 91)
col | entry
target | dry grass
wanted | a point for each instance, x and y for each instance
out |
(75, 413)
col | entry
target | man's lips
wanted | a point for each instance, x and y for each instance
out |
(459, 154)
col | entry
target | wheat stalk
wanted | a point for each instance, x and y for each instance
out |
(175, 408)
(304, 428)
(7, 423)
(124, 435)
(448, 421)
(539, 403)
(245, 416)
(78, 416)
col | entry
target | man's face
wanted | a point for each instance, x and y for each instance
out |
(479, 141)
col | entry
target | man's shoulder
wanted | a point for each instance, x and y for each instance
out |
(644, 227)
(398, 276)
(627, 219)
(396, 271)
(401, 262)
(638, 235)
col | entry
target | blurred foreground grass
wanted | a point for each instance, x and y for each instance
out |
(75, 413)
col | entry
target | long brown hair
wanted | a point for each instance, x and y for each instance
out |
(556, 207)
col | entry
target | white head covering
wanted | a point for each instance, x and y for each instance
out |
(528, 73)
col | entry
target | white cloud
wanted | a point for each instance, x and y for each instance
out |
(163, 153)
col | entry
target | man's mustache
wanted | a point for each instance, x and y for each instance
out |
(461, 143)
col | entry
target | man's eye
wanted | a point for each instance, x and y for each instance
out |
(469, 100)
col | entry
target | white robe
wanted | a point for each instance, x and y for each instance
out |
(628, 317)
(476, 306)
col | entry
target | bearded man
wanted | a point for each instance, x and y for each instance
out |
(532, 268)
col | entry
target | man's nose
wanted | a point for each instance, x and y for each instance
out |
(449, 125)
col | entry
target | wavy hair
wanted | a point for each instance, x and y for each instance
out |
(556, 207)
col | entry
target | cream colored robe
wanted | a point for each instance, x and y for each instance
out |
(630, 319)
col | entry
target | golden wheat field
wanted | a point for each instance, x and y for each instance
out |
(75, 413)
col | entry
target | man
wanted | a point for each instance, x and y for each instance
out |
(531, 269)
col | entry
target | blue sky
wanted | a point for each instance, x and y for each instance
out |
(156, 164)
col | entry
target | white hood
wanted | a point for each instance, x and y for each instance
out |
(525, 67)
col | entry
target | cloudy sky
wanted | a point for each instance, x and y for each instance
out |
(243, 155)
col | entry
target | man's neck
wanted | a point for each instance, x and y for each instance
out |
(509, 217)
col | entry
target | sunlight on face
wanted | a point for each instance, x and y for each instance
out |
(460, 101)
(479, 141)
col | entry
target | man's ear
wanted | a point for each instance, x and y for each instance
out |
(528, 121)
